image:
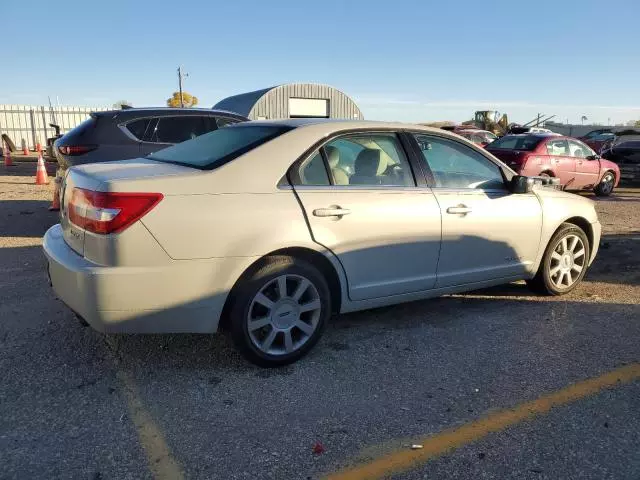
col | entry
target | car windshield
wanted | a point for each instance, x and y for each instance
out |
(216, 148)
(516, 142)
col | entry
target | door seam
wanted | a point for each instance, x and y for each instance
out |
(306, 220)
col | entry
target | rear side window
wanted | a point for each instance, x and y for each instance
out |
(137, 128)
(216, 148)
(516, 142)
(312, 171)
(179, 129)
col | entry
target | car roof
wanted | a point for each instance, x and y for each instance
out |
(540, 135)
(336, 124)
(130, 113)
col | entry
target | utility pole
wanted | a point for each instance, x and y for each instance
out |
(180, 77)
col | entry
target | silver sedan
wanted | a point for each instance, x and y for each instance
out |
(266, 229)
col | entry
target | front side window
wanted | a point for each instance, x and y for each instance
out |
(579, 149)
(558, 148)
(216, 148)
(455, 165)
(368, 159)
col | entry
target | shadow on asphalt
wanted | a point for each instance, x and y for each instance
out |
(25, 169)
(25, 218)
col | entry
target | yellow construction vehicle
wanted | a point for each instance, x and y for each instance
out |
(491, 121)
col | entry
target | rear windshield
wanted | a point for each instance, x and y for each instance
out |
(83, 129)
(216, 148)
(513, 142)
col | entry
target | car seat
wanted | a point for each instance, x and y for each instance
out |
(340, 177)
(368, 167)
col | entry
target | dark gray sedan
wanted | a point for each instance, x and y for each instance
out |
(136, 132)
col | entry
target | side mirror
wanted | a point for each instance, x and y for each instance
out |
(521, 184)
(593, 157)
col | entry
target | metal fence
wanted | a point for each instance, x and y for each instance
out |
(32, 124)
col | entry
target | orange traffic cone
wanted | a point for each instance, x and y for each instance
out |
(25, 150)
(7, 155)
(55, 203)
(41, 172)
(38, 147)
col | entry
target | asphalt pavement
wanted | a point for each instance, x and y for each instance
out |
(78, 404)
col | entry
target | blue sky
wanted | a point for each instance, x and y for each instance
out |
(419, 60)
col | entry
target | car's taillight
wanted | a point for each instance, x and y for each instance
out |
(72, 150)
(109, 212)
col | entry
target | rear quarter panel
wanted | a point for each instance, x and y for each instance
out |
(228, 225)
(235, 228)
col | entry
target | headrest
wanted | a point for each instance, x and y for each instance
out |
(369, 163)
(333, 155)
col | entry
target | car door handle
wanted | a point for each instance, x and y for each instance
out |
(459, 209)
(331, 212)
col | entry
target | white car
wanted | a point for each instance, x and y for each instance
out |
(267, 228)
(539, 130)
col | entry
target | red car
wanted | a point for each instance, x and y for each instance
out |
(576, 165)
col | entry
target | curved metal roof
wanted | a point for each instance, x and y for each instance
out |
(242, 103)
(272, 102)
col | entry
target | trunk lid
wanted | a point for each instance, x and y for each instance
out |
(139, 175)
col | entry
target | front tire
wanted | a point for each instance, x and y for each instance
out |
(564, 263)
(606, 185)
(279, 311)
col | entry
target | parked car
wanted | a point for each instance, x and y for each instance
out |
(478, 137)
(258, 228)
(576, 165)
(596, 139)
(135, 132)
(624, 151)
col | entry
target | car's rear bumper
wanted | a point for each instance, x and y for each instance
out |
(185, 296)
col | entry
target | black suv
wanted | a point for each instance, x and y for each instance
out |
(135, 132)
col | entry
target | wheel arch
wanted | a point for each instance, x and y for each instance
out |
(314, 257)
(616, 176)
(583, 224)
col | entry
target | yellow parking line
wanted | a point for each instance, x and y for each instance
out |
(436, 445)
(161, 462)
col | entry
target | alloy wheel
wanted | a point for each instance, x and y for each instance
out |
(568, 260)
(607, 184)
(284, 314)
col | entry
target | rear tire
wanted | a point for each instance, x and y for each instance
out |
(279, 311)
(606, 185)
(564, 263)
